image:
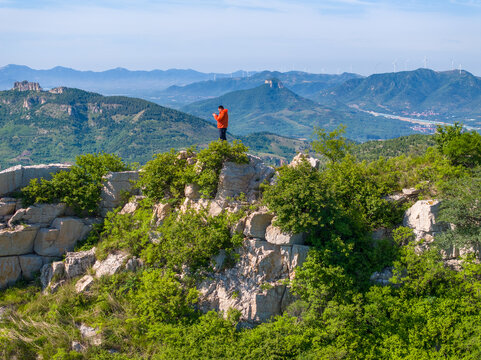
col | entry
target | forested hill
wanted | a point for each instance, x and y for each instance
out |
(274, 108)
(57, 125)
(453, 94)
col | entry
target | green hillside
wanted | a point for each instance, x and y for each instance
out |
(274, 108)
(448, 95)
(42, 127)
(405, 145)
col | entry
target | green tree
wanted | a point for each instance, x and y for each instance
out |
(332, 144)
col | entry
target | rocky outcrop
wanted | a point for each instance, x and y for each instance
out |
(256, 224)
(115, 185)
(256, 284)
(113, 264)
(275, 235)
(236, 179)
(26, 86)
(18, 240)
(299, 158)
(19, 176)
(40, 214)
(422, 217)
(10, 270)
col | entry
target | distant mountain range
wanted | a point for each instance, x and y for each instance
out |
(274, 108)
(446, 96)
(117, 81)
(57, 125)
(302, 83)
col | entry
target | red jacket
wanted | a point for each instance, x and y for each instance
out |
(222, 119)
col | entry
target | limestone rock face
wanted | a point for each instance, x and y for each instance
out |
(10, 270)
(77, 263)
(299, 158)
(16, 177)
(40, 214)
(257, 223)
(114, 185)
(161, 211)
(17, 241)
(235, 179)
(422, 218)
(84, 284)
(132, 205)
(275, 235)
(30, 264)
(62, 237)
(255, 285)
(26, 86)
(7, 206)
(49, 271)
(111, 265)
(192, 191)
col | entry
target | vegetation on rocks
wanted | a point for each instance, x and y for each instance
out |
(79, 187)
(429, 310)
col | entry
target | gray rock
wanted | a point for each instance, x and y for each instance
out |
(92, 335)
(30, 264)
(55, 270)
(62, 237)
(132, 205)
(84, 284)
(161, 211)
(77, 263)
(10, 270)
(40, 214)
(411, 191)
(275, 235)
(422, 218)
(17, 241)
(7, 206)
(382, 277)
(115, 184)
(192, 191)
(255, 285)
(299, 158)
(111, 265)
(134, 264)
(78, 347)
(257, 223)
(236, 179)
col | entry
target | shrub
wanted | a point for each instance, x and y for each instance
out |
(461, 148)
(191, 239)
(331, 145)
(79, 187)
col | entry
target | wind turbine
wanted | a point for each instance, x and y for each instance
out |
(394, 63)
(425, 62)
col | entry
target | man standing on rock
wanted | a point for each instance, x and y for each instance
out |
(222, 122)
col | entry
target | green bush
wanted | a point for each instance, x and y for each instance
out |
(191, 239)
(79, 187)
(160, 297)
(166, 175)
(461, 148)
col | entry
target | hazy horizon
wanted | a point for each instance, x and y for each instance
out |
(359, 36)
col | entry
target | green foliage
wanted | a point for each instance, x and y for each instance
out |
(160, 297)
(191, 239)
(461, 208)
(79, 187)
(461, 148)
(210, 162)
(166, 175)
(331, 144)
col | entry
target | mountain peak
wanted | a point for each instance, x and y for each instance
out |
(274, 83)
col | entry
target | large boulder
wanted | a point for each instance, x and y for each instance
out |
(30, 264)
(54, 271)
(275, 235)
(10, 270)
(7, 206)
(77, 263)
(299, 158)
(255, 285)
(422, 217)
(40, 214)
(19, 176)
(236, 179)
(115, 184)
(113, 264)
(256, 224)
(17, 241)
(62, 237)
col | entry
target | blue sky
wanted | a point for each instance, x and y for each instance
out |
(363, 36)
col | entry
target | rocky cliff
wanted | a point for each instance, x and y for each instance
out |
(26, 86)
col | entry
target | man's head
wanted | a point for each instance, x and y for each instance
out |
(221, 108)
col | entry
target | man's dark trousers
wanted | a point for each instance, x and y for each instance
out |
(222, 134)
